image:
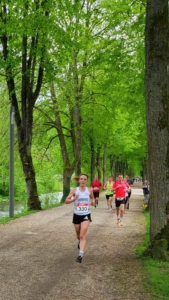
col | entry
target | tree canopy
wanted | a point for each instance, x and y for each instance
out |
(75, 74)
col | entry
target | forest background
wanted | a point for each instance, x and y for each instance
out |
(74, 72)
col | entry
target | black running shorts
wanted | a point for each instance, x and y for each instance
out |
(96, 194)
(79, 219)
(119, 202)
(109, 196)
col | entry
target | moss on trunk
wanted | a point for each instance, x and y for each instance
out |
(160, 246)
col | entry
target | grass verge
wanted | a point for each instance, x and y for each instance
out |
(157, 272)
(27, 212)
(24, 213)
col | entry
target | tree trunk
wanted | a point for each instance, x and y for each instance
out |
(78, 89)
(92, 164)
(112, 165)
(104, 165)
(67, 173)
(157, 109)
(24, 132)
(119, 167)
(78, 168)
(24, 145)
(68, 164)
(116, 168)
(98, 161)
(32, 193)
(145, 170)
(24, 74)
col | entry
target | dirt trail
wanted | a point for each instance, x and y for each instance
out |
(38, 252)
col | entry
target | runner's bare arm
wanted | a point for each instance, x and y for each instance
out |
(71, 197)
(92, 197)
(115, 188)
(105, 186)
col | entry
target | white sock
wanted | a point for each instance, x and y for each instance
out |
(81, 253)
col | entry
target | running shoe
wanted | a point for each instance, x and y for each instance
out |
(118, 222)
(121, 224)
(79, 259)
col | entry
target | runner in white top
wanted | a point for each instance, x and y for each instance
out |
(81, 197)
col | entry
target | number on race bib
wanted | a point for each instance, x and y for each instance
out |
(82, 208)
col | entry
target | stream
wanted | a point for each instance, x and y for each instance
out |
(46, 199)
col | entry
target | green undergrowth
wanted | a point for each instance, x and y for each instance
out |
(156, 272)
(140, 251)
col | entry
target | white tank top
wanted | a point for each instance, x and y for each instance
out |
(81, 205)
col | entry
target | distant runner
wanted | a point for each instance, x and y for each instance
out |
(146, 188)
(96, 185)
(130, 182)
(120, 189)
(109, 192)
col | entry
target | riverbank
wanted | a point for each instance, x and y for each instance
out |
(47, 200)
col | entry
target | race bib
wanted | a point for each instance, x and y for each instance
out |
(120, 199)
(96, 188)
(82, 207)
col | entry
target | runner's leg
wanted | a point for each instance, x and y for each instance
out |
(117, 213)
(111, 199)
(83, 231)
(121, 213)
(77, 229)
(97, 200)
(125, 205)
(107, 197)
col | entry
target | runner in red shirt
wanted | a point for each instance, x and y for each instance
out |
(120, 189)
(96, 185)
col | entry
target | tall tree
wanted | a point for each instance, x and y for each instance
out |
(90, 37)
(81, 37)
(157, 103)
(24, 43)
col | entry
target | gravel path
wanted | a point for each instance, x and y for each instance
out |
(38, 252)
